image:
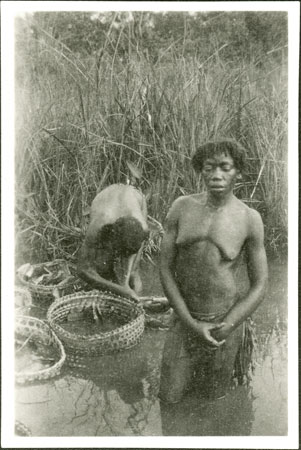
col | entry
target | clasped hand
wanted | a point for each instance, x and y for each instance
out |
(213, 334)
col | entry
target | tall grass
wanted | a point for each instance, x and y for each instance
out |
(79, 120)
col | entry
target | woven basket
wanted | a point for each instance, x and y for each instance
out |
(46, 293)
(38, 331)
(107, 304)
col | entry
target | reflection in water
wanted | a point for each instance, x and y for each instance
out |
(259, 409)
(270, 383)
(116, 395)
(229, 416)
(129, 381)
(113, 395)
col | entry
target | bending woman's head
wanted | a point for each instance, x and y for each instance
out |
(125, 235)
(128, 235)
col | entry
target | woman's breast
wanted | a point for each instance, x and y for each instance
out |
(204, 276)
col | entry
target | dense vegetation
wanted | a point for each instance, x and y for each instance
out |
(95, 91)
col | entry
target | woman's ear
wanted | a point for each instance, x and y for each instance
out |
(239, 176)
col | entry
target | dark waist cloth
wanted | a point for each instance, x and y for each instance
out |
(242, 341)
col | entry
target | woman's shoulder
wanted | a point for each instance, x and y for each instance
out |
(184, 202)
(187, 199)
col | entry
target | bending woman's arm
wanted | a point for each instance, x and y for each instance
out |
(87, 271)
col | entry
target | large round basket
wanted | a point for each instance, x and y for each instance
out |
(48, 293)
(107, 305)
(32, 329)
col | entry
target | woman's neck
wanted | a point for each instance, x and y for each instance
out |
(218, 201)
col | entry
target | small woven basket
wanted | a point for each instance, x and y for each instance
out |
(107, 305)
(47, 293)
(38, 331)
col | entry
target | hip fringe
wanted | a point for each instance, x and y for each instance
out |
(244, 365)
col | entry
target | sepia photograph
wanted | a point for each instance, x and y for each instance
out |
(149, 224)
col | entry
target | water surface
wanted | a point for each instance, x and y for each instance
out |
(116, 395)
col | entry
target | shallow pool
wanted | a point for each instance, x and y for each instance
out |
(116, 395)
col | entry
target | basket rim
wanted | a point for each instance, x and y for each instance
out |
(94, 337)
(20, 376)
(50, 287)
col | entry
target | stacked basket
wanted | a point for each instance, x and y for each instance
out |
(65, 300)
(48, 293)
(31, 329)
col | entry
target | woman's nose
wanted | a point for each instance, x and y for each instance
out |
(217, 174)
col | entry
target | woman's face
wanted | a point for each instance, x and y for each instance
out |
(219, 174)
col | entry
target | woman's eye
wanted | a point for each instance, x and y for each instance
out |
(226, 167)
(207, 168)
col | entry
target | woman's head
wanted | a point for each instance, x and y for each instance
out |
(228, 147)
(125, 236)
(128, 235)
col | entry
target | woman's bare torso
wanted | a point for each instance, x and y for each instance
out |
(116, 201)
(209, 254)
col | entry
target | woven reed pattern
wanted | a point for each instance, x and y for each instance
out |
(107, 305)
(46, 293)
(38, 331)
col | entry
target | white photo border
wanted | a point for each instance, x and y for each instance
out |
(9, 9)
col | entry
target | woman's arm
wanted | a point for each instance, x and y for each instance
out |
(258, 275)
(87, 271)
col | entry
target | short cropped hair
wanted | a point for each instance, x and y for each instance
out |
(128, 235)
(211, 148)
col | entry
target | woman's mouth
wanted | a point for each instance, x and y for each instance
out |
(216, 187)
